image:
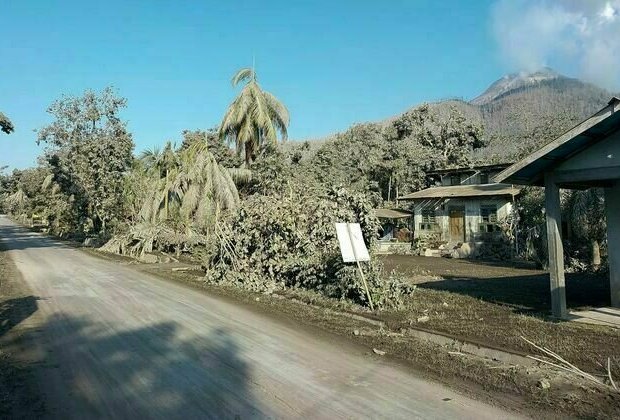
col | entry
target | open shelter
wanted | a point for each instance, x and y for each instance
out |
(587, 156)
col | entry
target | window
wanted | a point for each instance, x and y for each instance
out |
(455, 179)
(488, 216)
(484, 177)
(429, 220)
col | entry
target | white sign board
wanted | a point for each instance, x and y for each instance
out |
(352, 246)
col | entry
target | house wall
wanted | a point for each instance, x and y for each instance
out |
(472, 215)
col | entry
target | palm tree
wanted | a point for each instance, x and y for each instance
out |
(5, 124)
(199, 187)
(254, 117)
(17, 202)
(160, 163)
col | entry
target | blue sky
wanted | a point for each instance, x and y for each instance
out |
(332, 63)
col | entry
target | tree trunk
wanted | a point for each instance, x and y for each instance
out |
(389, 189)
(97, 224)
(596, 253)
(248, 156)
(166, 198)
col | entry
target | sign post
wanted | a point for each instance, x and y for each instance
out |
(353, 248)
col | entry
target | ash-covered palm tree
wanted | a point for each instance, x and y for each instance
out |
(160, 163)
(17, 202)
(5, 124)
(254, 118)
(199, 188)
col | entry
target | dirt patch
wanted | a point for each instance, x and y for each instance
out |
(497, 305)
(20, 396)
(518, 285)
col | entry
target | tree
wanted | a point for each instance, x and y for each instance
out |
(90, 152)
(222, 153)
(392, 159)
(5, 124)
(254, 117)
(586, 216)
(161, 163)
(351, 158)
(198, 187)
(453, 137)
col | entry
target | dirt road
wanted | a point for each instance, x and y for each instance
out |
(114, 342)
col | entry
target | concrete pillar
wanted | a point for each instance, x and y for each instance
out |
(556, 250)
(612, 210)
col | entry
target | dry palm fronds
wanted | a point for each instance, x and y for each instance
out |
(564, 365)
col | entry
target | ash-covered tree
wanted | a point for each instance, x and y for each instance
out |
(453, 138)
(351, 159)
(254, 118)
(216, 145)
(392, 159)
(585, 212)
(90, 151)
(6, 125)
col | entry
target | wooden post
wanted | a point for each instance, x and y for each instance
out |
(359, 267)
(554, 244)
(612, 210)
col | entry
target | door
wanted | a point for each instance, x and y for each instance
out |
(457, 224)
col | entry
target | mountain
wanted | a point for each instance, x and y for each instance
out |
(534, 112)
(513, 82)
(522, 111)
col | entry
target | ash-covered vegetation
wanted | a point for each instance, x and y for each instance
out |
(260, 214)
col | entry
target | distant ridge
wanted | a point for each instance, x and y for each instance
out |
(513, 107)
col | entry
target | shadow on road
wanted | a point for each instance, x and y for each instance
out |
(91, 371)
(18, 237)
(13, 311)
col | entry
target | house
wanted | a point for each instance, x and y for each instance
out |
(462, 211)
(587, 156)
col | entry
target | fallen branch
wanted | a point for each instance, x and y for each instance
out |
(563, 364)
(170, 256)
(580, 373)
(557, 357)
(609, 374)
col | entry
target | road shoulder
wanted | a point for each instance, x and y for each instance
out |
(20, 395)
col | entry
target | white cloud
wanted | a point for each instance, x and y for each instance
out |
(580, 37)
(609, 13)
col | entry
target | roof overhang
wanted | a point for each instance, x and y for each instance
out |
(531, 170)
(392, 213)
(460, 191)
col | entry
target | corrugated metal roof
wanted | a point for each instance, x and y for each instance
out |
(392, 213)
(477, 190)
(530, 170)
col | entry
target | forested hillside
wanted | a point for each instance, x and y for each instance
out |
(520, 112)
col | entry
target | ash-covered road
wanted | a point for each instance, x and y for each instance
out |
(112, 342)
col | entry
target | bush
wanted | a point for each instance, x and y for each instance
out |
(275, 242)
